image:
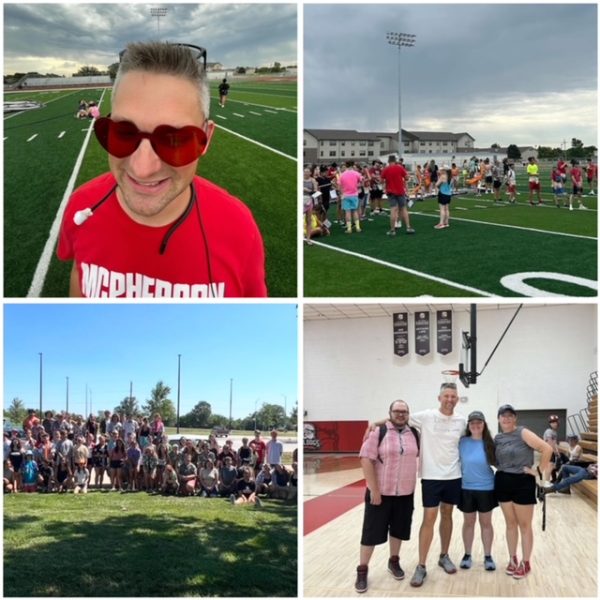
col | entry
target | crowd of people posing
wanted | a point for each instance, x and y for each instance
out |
(460, 464)
(120, 453)
(359, 190)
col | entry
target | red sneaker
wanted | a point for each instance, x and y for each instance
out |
(522, 570)
(512, 566)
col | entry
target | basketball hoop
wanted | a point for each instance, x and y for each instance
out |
(450, 375)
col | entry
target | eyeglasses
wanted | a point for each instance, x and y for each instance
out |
(176, 147)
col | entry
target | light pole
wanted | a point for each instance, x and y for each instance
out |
(408, 40)
(158, 13)
(178, 387)
(67, 408)
(230, 401)
(41, 355)
(255, 405)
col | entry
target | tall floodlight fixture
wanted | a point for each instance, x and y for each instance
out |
(178, 387)
(158, 13)
(408, 40)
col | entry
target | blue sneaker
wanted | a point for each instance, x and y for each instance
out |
(466, 562)
(489, 564)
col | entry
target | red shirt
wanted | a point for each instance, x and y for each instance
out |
(117, 257)
(258, 447)
(592, 169)
(394, 176)
(576, 177)
(562, 167)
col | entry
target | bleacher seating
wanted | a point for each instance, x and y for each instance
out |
(37, 82)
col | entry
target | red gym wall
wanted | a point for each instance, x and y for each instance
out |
(334, 436)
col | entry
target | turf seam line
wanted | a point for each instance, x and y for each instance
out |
(405, 269)
(255, 142)
(575, 235)
(41, 270)
(254, 104)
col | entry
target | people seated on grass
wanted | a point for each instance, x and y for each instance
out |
(227, 451)
(246, 490)
(47, 477)
(280, 482)
(9, 478)
(188, 474)
(81, 478)
(228, 476)
(263, 480)
(208, 478)
(170, 481)
(29, 473)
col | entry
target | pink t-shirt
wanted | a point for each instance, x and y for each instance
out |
(95, 112)
(397, 473)
(349, 181)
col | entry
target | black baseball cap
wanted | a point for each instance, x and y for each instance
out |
(506, 408)
(476, 415)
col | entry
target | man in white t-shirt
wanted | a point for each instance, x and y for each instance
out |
(439, 468)
(274, 450)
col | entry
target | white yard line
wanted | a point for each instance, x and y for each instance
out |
(257, 143)
(14, 115)
(271, 111)
(575, 235)
(32, 137)
(238, 115)
(37, 283)
(255, 113)
(61, 134)
(254, 104)
(405, 269)
(221, 117)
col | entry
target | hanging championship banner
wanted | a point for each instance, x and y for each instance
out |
(422, 337)
(444, 331)
(400, 333)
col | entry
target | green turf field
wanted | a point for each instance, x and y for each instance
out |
(487, 242)
(252, 156)
(113, 544)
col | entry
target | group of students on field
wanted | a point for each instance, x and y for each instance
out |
(61, 454)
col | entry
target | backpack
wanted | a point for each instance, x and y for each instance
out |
(383, 430)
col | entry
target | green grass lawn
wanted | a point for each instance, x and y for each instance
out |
(119, 544)
(37, 172)
(485, 242)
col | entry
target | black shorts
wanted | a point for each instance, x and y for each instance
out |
(514, 487)
(392, 517)
(477, 501)
(61, 475)
(489, 179)
(116, 464)
(376, 193)
(577, 190)
(435, 491)
(444, 199)
(497, 184)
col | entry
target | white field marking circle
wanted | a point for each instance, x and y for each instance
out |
(516, 282)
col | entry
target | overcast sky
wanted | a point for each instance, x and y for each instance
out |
(523, 74)
(60, 38)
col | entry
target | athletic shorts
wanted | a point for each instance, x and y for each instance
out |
(435, 491)
(116, 464)
(577, 190)
(489, 179)
(444, 199)
(397, 200)
(350, 203)
(514, 487)
(512, 189)
(61, 475)
(497, 184)
(477, 501)
(376, 193)
(392, 517)
(534, 185)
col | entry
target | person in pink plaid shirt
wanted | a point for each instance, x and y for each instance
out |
(390, 470)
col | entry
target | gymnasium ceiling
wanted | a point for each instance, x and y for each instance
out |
(327, 312)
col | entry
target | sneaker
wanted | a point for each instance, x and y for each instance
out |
(232, 499)
(398, 225)
(466, 562)
(439, 226)
(391, 232)
(522, 570)
(419, 576)
(411, 203)
(203, 494)
(360, 585)
(570, 207)
(410, 230)
(512, 565)
(489, 564)
(565, 491)
(357, 229)
(348, 231)
(582, 207)
(394, 568)
(447, 564)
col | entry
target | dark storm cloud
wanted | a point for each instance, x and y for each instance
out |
(469, 62)
(235, 35)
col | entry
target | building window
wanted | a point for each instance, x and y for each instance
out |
(353, 143)
(362, 153)
(332, 153)
(370, 144)
(342, 143)
(322, 154)
(362, 143)
(343, 153)
(371, 153)
(352, 153)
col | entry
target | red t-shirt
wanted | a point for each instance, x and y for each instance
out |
(117, 257)
(562, 167)
(576, 177)
(259, 447)
(395, 179)
(592, 169)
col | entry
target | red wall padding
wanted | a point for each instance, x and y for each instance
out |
(334, 436)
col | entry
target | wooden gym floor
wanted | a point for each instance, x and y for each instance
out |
(564, 562)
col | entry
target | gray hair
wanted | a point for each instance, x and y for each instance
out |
(166, 59)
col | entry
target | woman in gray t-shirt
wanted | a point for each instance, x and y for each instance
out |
(515, 484)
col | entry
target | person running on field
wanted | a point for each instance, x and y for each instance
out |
(223, 92)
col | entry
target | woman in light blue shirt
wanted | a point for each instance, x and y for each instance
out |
(476, 449)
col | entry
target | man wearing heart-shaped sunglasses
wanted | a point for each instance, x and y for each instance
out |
(151, 227)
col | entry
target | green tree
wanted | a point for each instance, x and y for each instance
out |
(513, 152)
(270, 415)
(199, 416)
(16, 412)
(293, 418)
(160, 403)
(128, 406)
(87, 71)
(112, 70)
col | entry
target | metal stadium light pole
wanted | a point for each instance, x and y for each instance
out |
(41, 355)
(67, 404)
(178, 387)
(407, 40)
(158, 13)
